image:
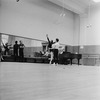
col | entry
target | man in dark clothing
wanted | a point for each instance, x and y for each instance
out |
(15, 48)
(21, 51)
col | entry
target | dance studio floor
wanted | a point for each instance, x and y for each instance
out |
(32, 81)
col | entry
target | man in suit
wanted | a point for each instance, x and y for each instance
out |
(15, 48)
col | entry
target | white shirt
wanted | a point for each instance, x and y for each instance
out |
(56, 45)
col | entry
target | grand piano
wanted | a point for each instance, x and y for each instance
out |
(67, 57)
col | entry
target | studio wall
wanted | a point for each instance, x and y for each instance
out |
(90, 31)
(90, 27)
(35, 19)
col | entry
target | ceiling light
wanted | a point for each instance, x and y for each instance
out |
(96, 0)
(63, 11)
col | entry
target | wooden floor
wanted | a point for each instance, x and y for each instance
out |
(31, 81)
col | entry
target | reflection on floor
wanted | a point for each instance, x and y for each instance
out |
(29, 81)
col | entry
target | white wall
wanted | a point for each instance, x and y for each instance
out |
(76, 35)
(91, 35)
(35, 19)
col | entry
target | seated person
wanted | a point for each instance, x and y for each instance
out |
(41, 53)
(47, 54)
(61, 49)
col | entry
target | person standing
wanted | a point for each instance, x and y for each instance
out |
(21, 51)
(55, 47)
(1, 56)
(0, 53)
(50, 43)
(7, 48)
(15, 49)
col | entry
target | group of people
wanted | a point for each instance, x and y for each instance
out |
(18, 50)
(54, 50)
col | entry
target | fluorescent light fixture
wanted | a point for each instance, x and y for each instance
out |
(96, 0)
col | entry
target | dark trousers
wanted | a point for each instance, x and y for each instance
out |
(15, 55)
(55, 52)
(21, 55)
(6, 52)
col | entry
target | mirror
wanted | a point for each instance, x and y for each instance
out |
(31, 45)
